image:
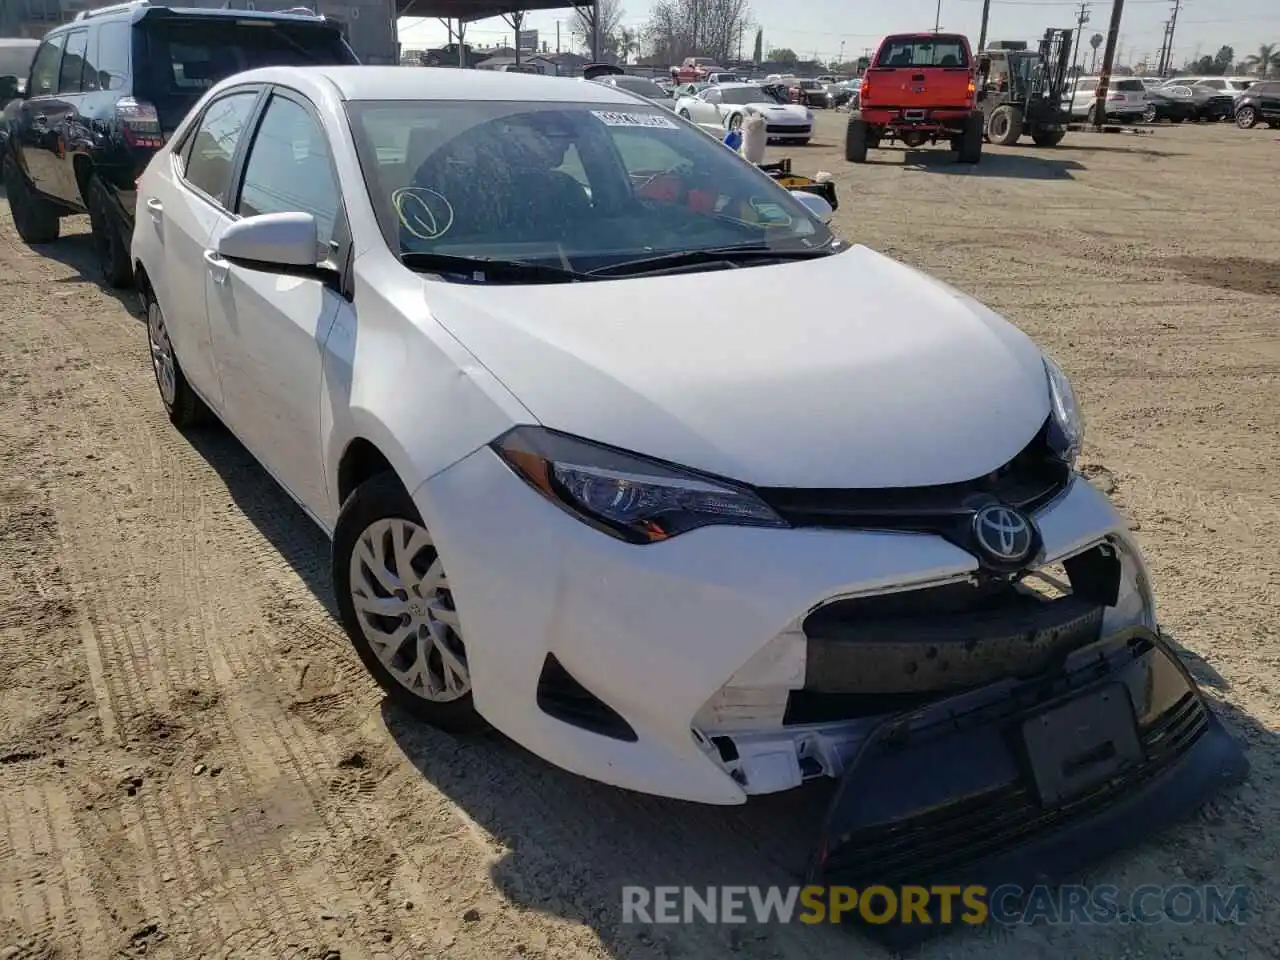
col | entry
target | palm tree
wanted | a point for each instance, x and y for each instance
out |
(1268, 56)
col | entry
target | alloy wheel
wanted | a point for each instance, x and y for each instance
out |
(162, 355)
(406, 611)
(1245, 118)
(1149, 115)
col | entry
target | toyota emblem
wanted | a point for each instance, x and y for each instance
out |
(1003, 534)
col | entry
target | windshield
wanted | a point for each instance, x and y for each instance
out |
(740, 95)
(646, 88)
(576, 186)
(921, 52)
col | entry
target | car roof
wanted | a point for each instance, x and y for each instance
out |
(438, 83)
(138, 12)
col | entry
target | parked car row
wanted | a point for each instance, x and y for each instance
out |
(1198, 99)
(724, 107)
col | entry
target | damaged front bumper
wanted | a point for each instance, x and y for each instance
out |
(1027, 781)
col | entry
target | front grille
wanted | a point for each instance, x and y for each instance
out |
(1029, 481)
(941, 841)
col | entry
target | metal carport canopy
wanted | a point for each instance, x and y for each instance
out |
(469, 10)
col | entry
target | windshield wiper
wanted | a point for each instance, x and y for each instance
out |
(487, 270)
(732, 256)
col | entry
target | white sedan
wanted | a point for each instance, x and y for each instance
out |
(722, 108)
(617, 445)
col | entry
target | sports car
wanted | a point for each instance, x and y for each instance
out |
(721, 108)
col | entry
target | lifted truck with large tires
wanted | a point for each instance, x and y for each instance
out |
(920, 88)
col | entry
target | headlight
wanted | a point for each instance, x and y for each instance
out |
(1067, 431)
(624, 495)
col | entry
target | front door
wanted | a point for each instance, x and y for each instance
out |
(269, 328)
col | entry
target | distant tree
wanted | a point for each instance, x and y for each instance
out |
(758, 53)
(1223, 59)
(783, 55)
(1268, 56)
(696, 28)
(610, 13)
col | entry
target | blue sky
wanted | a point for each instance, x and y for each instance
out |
(1203, 25)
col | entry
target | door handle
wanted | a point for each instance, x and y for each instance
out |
(217, 266)
(156, 209)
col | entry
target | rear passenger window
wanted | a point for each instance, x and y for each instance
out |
(288, 169)
(213, 147)
(112, 53)
(44, 69)
(73, 62)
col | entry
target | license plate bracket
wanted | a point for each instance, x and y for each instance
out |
(1078, 745)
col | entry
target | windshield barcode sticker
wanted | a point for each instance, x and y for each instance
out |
(610, 119)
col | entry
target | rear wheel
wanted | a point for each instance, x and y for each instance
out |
(1150, 115)
(1005, 126)
(1047, 136)
(1246, 118)
(36, 220)
(108, 242)
(184, 408)
(856, 141)
(971, 140)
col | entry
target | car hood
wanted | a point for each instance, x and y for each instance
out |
(778, 109)
(847, 371)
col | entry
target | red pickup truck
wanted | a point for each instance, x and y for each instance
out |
(920, 88)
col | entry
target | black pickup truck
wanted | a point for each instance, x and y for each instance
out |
(107, 89)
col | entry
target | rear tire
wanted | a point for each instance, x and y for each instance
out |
(183, 407)
(35, 219)
(856, 141)
(1150, 115)
(1246, 118)
(971, 140)
(108, 244)
(1004, 126)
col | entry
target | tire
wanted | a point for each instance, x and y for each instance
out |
(685, 115)
(1047, 136)
(1246, 118)
(1178, 119)
(1004, 126)
(1091, 118)
(1150, 115)
(180, 402)
(379, 510)
(856, 141)
(108, 245)
(971, 140)
(735, 122)
(36, 220)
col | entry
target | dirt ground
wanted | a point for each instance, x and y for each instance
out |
(193, 764)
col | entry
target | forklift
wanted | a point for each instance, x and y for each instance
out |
(1024, 91)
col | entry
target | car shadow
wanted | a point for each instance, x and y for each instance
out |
(75, 250)
(1011, 165)
(566, 846)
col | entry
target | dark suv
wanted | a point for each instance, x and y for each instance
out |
(107, 89)
(1259, 104)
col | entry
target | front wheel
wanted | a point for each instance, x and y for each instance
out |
(1005, 126)
(1150, 115)
(396, 605)
(1246, 118)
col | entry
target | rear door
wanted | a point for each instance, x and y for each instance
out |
(181, 55)
(1268, 95)
(65, 120)
(924, 72)
(37, 142)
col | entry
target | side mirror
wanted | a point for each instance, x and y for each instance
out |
(815, 204)
(286, 241)
(8, 88)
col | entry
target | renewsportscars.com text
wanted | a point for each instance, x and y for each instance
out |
(970, 905)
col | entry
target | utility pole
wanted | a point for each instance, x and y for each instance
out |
(1081, 19)
(1173, 25)
(982, 34)
(937, 20)
(1108, 61)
